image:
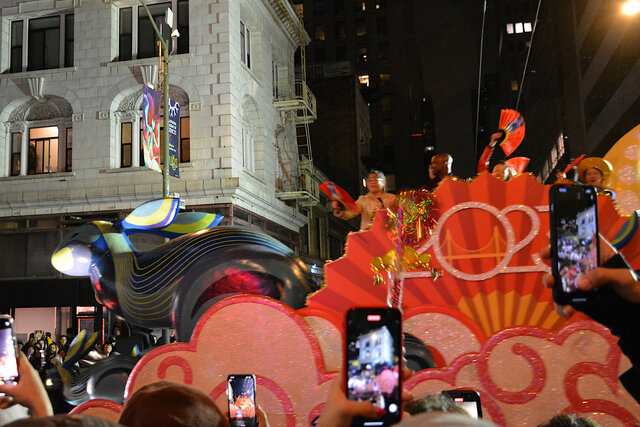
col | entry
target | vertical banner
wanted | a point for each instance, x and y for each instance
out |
(174, 138)
(151, 101)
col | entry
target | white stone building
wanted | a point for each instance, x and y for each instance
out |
(71, 79)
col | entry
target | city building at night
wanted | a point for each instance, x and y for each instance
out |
(71, 111)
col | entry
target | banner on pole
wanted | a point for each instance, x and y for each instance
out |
(151, 102)
(174, 138)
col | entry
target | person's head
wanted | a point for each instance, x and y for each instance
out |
(376, 181)
(441, 165)
(62, 340)
(42, 343)
(434, 402)
(53, 348)
(594, 170)
(501, 171)
(106, 349)
(569, 420)
(171, 405)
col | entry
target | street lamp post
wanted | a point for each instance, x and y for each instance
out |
(165, 104)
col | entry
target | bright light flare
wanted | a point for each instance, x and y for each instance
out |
(631, 7)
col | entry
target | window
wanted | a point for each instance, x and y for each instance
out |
(382, 24)
(128, 144)
(387, 130)
(318, 7)
(136, 36)
(362, 57)
(245, 45)
(361, 29)
(43, 150)
(364, 80)
(527, 27)
(16, 144)
(385, 79)
(519, 28)
(510, 29)
(319, 32)
(514, 85)
(385, 104)
(68, 150)
(130, 131)
(40, 46)
(341, 33)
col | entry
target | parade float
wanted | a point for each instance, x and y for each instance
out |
(487, 320)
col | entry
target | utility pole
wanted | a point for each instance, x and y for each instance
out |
(165, 104)
(165, 140)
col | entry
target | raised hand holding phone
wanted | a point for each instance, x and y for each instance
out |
(373, 362)
(573, 215)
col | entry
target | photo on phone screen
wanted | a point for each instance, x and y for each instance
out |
(8, 360)
(467, 399)
(241, 391)
(373, 361)
(574, 233)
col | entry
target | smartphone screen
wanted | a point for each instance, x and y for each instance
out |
(469, 400)
(573, 212)
(241, 391)
(373, 361)
(8, 360)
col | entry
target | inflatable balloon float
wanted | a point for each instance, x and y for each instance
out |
(488, 321)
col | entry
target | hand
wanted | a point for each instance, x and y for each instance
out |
(337, 209)
(623, 281)
(339, 411)
(262, 417)
(29, 391)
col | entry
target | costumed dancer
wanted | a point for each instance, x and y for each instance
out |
(376, 198)
(594, 171)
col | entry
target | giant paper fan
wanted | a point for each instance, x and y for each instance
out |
(512, 123)
(486, 242)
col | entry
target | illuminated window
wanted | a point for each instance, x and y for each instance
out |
(519, 28)
(385, 79)
(527, 27)
(364, 80)
(509, 28)
(514, 85)
(319, 32)
(364, 5)
(43, 150)
(362, 57)
(361, 29)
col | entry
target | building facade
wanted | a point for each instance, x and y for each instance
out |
(71, 114)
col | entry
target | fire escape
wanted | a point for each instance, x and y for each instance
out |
(297, 182)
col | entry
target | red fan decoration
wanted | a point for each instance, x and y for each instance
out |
(512, 123)
(573, 164)
(518, 164)
(337, 193)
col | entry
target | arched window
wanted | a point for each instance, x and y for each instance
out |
(40, 137)
(252, 134)
(129, 128)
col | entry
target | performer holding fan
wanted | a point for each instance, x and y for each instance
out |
(366, 206)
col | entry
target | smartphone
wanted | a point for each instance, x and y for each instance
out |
(373, 362)
(467, 399)
(8, 351)
(241, 392)
(575, 249)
